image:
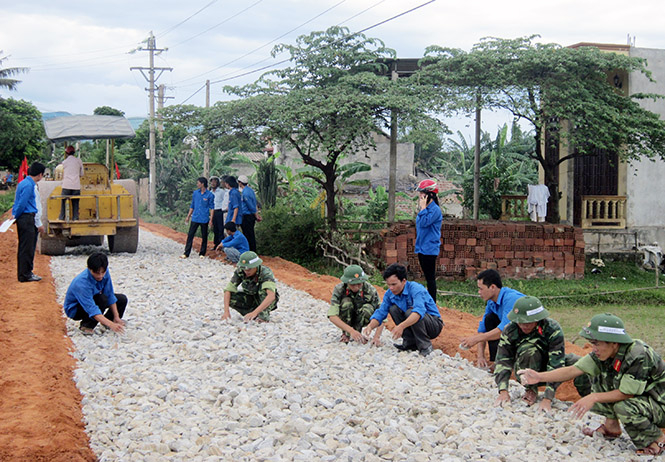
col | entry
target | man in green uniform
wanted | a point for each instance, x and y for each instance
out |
(353, 301)
(532, 340)
(627, 384)
(252, 290)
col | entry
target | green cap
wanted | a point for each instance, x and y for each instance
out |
(527, 309)
(606, 328)
(249, 260)
(353, 274)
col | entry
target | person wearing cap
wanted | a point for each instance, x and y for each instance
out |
(499, 301)
(248, 210)
(72, 171)
(627, 384)
(200, 212)
(353, 302)
(531, 340)
(24, 210)
(234, 244)
(233, 212)
(252, 291)
(218, 212)
(416, 316)
(428, 232)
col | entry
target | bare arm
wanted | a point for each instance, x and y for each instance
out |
(408, 322)
(355, 335)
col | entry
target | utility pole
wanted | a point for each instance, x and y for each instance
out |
(392, 161)
(476, 161)
(206, 144)
(152, 49)
(160, 105)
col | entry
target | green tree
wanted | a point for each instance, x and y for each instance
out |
(7, 72)
(21, 132)
(108, 110)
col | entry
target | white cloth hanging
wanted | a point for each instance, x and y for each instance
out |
(537, 201)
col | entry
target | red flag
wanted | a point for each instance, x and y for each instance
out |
(117, 171)
(23, 170)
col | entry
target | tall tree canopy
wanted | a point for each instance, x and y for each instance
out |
(21, 132)
(7, 72)
(564, 92)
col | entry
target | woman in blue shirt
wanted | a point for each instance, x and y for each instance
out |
(428, 232)
(233, 214)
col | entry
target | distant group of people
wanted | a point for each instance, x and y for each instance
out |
(227, 196)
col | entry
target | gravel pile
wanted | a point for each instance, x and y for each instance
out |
(181, 385)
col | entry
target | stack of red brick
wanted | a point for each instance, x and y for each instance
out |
(521, 250)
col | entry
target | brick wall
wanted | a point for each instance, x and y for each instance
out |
(517, 250)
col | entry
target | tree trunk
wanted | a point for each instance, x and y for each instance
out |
(331, 205)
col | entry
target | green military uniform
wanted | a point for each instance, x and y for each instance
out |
(636, 370)
(354, 308)
(249, 292)
(543, 349)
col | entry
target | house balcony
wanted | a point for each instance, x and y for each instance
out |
(603, 212)
(514, 208)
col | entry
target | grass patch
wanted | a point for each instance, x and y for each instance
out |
(6, 201)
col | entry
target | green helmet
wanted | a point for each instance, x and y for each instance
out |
(249, 260)
(527, 309)
(353, 274)
(606, 328)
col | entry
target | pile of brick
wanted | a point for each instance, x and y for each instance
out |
(521, 250)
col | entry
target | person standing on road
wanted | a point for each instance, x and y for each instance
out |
(235, 200)
(91, 293)
(24, 211)
(428, 232)
(252, 291)
(500, 300)
(71, 181)
(218, 212)
(201, 212)
(249, 211)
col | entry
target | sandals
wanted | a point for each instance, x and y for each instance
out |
(530, 397)
(607, 434)
(651, 451)
(86, 330)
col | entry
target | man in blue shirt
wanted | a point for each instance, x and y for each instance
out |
(201, 212)
(417, 319)
(90, 293)
(24, 210)
(500, 300)
(248, 211)
(235, 243)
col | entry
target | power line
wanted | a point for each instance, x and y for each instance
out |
(170, 29)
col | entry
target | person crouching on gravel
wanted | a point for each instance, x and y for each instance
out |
(627, 384)
(90, 293)
(353, 302)
(252, 291)
(533, 340)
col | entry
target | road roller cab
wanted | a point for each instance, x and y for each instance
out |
(107, 206)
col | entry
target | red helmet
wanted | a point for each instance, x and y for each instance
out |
(428, 186)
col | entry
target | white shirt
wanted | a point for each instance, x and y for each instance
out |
(221, 198)
(38, 215)
(72, 172)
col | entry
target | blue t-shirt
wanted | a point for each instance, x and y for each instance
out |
(413, 296)
(234, 203)
(24, 199)
(202, 204)
(237, 241)
(248, 206)
(504, 303)
(83, 288)
(428, 230)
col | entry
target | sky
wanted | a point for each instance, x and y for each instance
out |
(79, 52)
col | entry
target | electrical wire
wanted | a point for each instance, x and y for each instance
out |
(172, 28)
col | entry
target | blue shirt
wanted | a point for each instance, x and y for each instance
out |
(413, 296)
(202, 204)
(504, 303)
(428, 230)
(248, 206)
(24, 199)
(234, 203)
(83, 288)
(237, 241)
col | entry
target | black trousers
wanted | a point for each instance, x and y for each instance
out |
(492, 321)
(75, 203)
(421, 333)
(102, 302)
(27, 242)
(428, 264)
(193, 226)
(218, 226)
(248, 222)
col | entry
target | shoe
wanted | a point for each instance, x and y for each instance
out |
(603, 431)
(87, 330)
(405, 347)
(426, 351)
(202, 257)
(183, 256)
(32, 278)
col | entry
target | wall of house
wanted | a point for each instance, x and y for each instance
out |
(645, 208)
(517, 250)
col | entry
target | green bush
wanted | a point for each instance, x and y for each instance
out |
(289, 234)
(6, 201)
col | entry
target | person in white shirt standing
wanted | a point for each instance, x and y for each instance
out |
(71, 181)
(220, 194)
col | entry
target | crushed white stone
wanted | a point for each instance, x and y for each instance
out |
(181, 385)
